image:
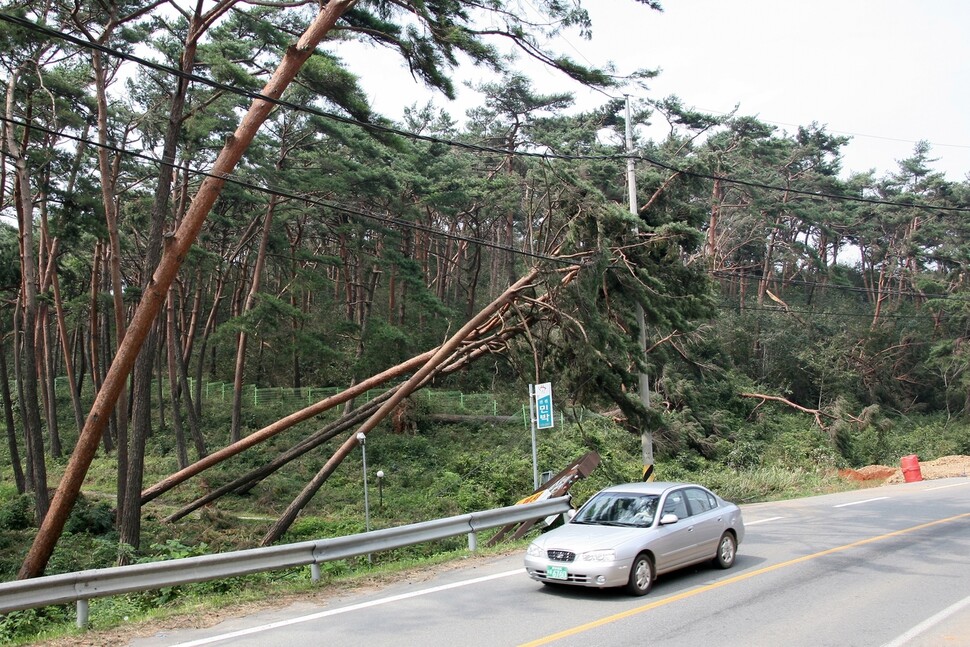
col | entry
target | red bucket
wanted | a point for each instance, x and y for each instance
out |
(911, 470)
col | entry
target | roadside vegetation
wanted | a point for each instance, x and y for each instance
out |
(435, 471)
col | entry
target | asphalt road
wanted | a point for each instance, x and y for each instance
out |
(881, 567)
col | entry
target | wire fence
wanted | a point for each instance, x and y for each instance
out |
(433, 400)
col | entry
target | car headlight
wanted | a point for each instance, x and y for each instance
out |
(599, 556)
(534, 550)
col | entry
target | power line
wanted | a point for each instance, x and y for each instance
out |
(844, 288)
(781, 310)
(387, 220)
(231, 179)
(31, 26)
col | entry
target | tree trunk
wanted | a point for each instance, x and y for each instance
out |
(47, 369)
(29, 406)
(65, 348)
(247, 481)
(152, 299)
(173, 385)
(433, 364)
(18, 470)
(282, 425)
(235, 428)
(210, 325)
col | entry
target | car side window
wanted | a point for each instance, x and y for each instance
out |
(700, 501)
(677, 504)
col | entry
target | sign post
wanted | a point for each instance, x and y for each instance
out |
(540, 416)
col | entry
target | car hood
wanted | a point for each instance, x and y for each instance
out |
(580, 538)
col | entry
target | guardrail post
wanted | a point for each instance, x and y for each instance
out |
(314, 572)
(83, 613)
(472, 541)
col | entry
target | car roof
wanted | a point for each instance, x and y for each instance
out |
(646, 487)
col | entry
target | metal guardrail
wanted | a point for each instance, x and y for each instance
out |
(81, 586)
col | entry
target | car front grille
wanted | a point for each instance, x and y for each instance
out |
(560, 555)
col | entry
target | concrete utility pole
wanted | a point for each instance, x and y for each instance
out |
(646, 436)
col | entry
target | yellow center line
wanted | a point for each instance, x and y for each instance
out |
(732, 580)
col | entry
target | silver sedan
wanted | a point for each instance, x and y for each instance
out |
(626, 535)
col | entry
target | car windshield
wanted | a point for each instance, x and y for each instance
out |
(619, 509)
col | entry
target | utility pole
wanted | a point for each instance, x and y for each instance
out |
(646, 436)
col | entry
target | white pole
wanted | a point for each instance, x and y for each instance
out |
(362, 438)
(532, 424)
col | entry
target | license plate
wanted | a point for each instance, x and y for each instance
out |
(557, 572)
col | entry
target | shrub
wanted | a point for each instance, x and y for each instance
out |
(90, 518)
(16, 513)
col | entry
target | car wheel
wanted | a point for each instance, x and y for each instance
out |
(641, 575)
(727, 550)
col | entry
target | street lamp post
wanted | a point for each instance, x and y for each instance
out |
(362, 438)
(380, 488)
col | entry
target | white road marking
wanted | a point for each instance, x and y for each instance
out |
(353, 607)
(928, 623)
(943, 487)
(844, 505)
(755, 523)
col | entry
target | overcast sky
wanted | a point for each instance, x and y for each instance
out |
(887, 72)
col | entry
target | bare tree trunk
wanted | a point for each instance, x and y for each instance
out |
(282, 425)
(250, 479)
(173, 386)
(433, 364)
(206, 332)
(18, 470)
(767, 266)
(45, 378)
(182, 347)
(94, 324)
(153, 298)
(235, 428)
(195, 428)
(17, 336)
(130, 528)
(191, 330)
(65, 348)
(28, 376)
(46, 364)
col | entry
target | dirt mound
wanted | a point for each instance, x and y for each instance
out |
(869, 473)
(941, 468)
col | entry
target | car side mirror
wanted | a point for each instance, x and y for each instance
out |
(668, 518)
(569, 514)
